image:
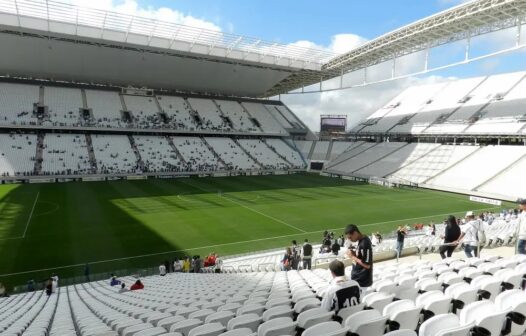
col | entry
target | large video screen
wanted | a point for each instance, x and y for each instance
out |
(333, 124)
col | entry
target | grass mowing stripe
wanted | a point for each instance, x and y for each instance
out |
(226, 244)
(249, 208)
(31, 214)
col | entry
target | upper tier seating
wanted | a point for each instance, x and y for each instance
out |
(106, 107)
(113, 154)
(508, 182)
(63, 106)
(65, 154)
(279, 116)
(338, 147)
(16, 104)
(267, 122)
(210, 115)
(17, 154)
(481, 105)
(177, 112)
(239, 118)
(144, 111)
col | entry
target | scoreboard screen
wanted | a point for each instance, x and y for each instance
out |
(330, 123)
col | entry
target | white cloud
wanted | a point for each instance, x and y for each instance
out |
(132, 7)
(342, 43)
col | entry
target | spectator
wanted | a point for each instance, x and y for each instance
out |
(137, 285)
(335, 248)
(162, 270)
(521, 227)
(307, 255)
(451, 234)
(341, 293)
(197, 264)
(296, 252)
(3, 290)
(49, 287)
(178, 265)
(123, 288)
(287, 260)
(167, 266)
(400, 237)
(362, 257)
(54, 283)
(114, 281)
(469, 235)
(186, 264)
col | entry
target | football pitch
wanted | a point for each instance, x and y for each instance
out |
(60, 227)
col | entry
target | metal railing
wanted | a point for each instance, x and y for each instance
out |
(148, 29)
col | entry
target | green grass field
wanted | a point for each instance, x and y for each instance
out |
(49, 226)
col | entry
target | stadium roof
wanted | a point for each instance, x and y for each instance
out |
(51, 40)
(458, 23)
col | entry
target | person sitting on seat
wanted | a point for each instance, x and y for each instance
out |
(342, 292)
(137, 285)
(114, 281)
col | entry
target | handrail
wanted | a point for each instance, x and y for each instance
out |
(79, 16)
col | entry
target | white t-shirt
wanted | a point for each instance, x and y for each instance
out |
(341, 293)
(470, 230)
(162, 270)
(178, 266)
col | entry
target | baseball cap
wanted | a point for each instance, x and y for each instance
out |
(470, 214)
(521, 201)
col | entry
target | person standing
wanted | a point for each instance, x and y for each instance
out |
(521, 227)
(178, 265)
(342, 292)
(296, 252)
(362, 257)
(451, 234)
(307, 255)
(86, 272)
(287, 260)
(186, 264)
(400, 237)
(335, 248)
(470, 235)
(162, 270)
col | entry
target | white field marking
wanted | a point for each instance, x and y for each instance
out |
(219, 245)
(31, 214)
(253, 210)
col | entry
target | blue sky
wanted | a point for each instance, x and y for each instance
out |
(337, 25)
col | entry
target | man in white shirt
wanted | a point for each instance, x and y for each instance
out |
(342, 292)
(469, 235)
(521, 227)
(162, 270)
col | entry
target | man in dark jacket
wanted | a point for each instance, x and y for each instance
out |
(307, 255)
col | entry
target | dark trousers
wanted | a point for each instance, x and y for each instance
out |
(446, 251)
(522, 246)
(307, 263)
(470, 251)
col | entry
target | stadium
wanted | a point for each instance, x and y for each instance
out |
(154, 173)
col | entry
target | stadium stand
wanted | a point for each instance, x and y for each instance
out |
(17, 154)
(114, 154)
(304, 147)
(266, 121)
(263, 154)
(238, 116)
(144, 111)
(408, 295)
(157, 154)
(287, 152)
(196, 154)
(106, 109)
(65, 154)
(177, 112)
(17, 104)
(233, 155)
(64, 106)
(320, 150)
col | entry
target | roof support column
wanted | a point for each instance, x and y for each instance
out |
(468, 46)
(518, 41)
